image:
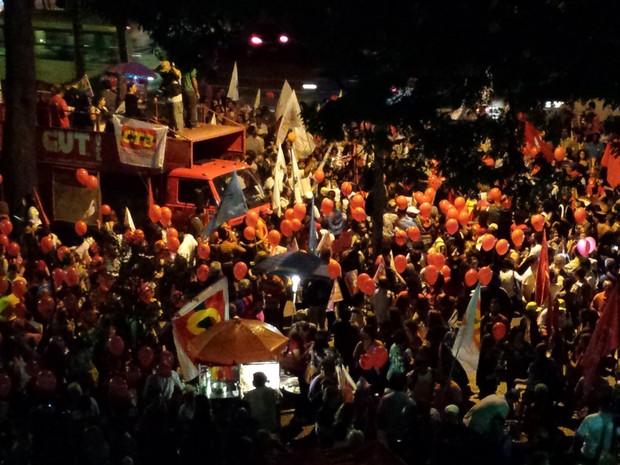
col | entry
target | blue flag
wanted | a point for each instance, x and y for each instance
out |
(232, 205)
(312, 241)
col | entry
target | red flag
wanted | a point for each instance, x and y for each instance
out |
(542, 273)
(604, 339)
(611, 161)
(37, 200)
(533, 139)
(206, 309)
(151, 200)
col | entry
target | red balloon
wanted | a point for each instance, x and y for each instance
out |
(378, 355)
(445, 271)
(61, 252)
(413, 233)
(72, 277)
(46, 307)
(459, 203)
(538, 222)
(46, 381)
(495, 194)
(370, 287)
(400, 237)
(334, 269)
(19, 287)
(319, 176)
(359, 214)
(289, 214)
(204, 250)
(6, 226)
(249, 233)
(295, 224)
(106, 210)
(327, 206)
(400, 263)
(171, 232)
(155, 213)
(362, 279)
(431, 274)
(357, 201)
(240, 270)
(485, 274)
(580, 215)
(58, 276)
(82, 176)
(145, 356)
(559, 153)
(444, 205)
(436, 259)
(463, 217)
(286, 228)
(138, 236)
(93, 182)
(80, 227)
(4, 240)
(502, 247)
(47, 244)
(346, 188)
(499, 331)
(202, 273)
(488, 242)
(517, 237)
(5, 385)
(116, 346)
(174, 244)
(471, 277)
(366, 362)
(452, 226)
(12, 249)
(118, 388)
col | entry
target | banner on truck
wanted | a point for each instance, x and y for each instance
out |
(140, 143)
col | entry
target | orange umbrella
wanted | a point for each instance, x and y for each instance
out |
(237, 341)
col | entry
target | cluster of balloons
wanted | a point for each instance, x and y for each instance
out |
(586, 246)
(376, 357)
(366, 284)
(86, 179)
(161, 214)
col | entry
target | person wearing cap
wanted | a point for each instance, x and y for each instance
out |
(264, 403)
(173, 91)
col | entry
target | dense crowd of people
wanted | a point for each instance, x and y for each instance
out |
(87, 367)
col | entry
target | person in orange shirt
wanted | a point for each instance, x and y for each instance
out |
(600, 299)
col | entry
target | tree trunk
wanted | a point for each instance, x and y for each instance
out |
(380, 148)
(78, 38)
(19, 131)
(121, 38)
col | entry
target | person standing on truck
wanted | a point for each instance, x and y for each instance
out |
(59, 110)
(132, 102)
(190, 98)
(173, 91)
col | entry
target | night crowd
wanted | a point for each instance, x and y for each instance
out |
(88, 370)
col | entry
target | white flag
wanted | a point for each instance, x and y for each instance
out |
(257, 99)
(278, 181)
(213, 119)
(466, 347)
(90, 211)
(304, 142)
(233, 87)
(290, 118)
(285, 94)
(296, 179)
(129, 220)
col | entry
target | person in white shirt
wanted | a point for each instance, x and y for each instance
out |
(188, 246)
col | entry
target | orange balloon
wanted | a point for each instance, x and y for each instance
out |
(502, 247)
(47, 244)
(445, 271)
(249, 233)
(295, 224)
(488, 242)
(4, 240)
(12, 249)
(327, 206)
(334, 269)
(274, 238)
(105, 209)
(289, 214)
(61, 252)
(471, 277)
(452, 213)
(370, 287)
(6, 227)
(444, 205)
(359, 214)
(425, 210)
(459, 203)
(138, 236)
(82, 176)
(362, 279)
(463, 217)
(401, 202)
(517, 236)
(485, 274)
(319, 176)
(346, 188)
(174, 244)
(400, 237)
(155, 213)
(559, 153)
(429, 193)
(431, 274)
(204, 250)
(251, 218)
(19, 287)
(93, 182)
(436, 259)
(357, 201)
(495, 194)
(299, 211)
(286, 228)
(419, 197)
(171, 232)
(202, 273)
(452, 226)
(291, 136)
(80, 227)
(413, 233)
(580, 215)
(72, 277)
(538, 222)
(400, 263)
(166, 216)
